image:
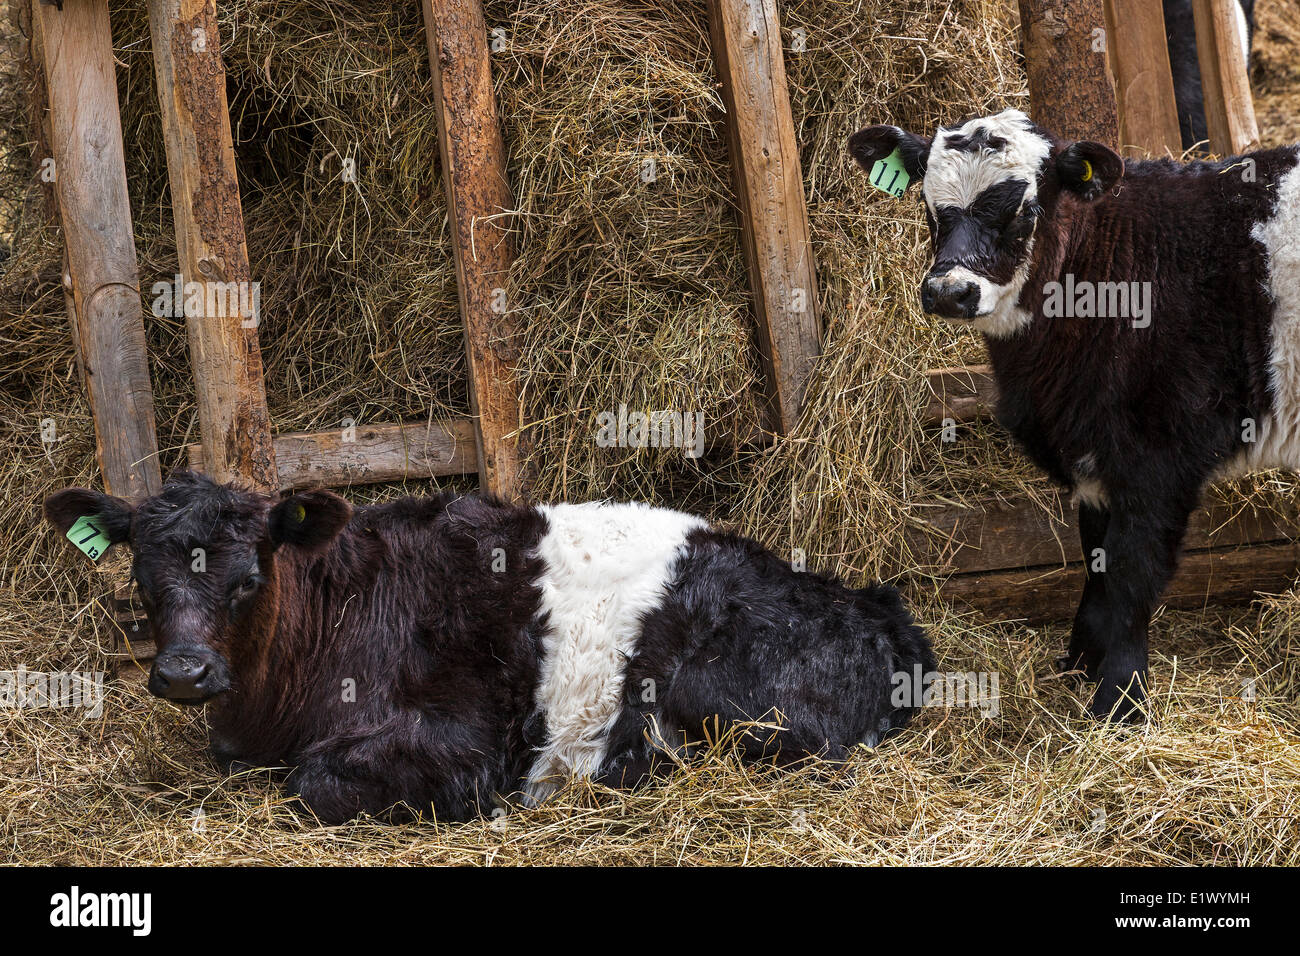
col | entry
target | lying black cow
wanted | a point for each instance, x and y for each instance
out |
(438, 651)
(1143, 323)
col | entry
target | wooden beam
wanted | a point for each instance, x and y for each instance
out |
(994, 534)
(961, 394)
(480, 207)
(1204, 577)
(1225, 80)
(746, 37)
(1074, 103)
(101, 279)
(210, 243)
(1144, 85)
(369, 454)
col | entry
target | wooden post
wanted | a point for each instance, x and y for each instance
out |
(1225, 80)
(1144, 84)
(210, 244)
(746, 37)
(101, 280)
(1078, 102)
(479, 204)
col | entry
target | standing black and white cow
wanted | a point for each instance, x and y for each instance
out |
(1180, 34)
(439, 651)
(1143, 324)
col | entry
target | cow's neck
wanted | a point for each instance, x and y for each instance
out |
(284, 671)
(1038, 342)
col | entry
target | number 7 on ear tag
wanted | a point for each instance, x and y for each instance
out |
(89, 537)
(888, 175)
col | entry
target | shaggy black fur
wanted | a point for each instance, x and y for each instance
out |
(1151, 411)
(743, 635)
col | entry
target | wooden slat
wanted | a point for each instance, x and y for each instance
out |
(1144, 85)
(1204, 577)
(133, 651)
(1075, 103)
(480, 204)
(962, 394)
(211, 248)
(101, 281)
(389, 452)
(1229, 109)
(746, 36)
(997, 535)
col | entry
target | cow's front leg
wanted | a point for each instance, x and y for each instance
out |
(336, 793)
(1088, 634)
(1140, 552)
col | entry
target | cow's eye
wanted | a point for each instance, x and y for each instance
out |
(248, 584)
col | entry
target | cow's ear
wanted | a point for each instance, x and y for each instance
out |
(308, 520)
(869, 146)
(112, 516)
(1088, 169)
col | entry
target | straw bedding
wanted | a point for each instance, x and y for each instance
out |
(631, 292)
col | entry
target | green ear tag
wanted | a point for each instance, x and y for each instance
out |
(888, 175)
(299, 514)
(87, 535)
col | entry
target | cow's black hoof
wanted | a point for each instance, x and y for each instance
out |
(1118, 705)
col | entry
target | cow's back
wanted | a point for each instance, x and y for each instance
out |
(1207, 244)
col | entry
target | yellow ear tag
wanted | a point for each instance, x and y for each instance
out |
(299, 514)
(1087, 171)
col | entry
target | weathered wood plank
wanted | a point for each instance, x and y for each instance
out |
(1144, 85)
(480, 205)
(369, 453)
(995, 534)
(962, 394)
(1204, 577)
(1225, 80)
(746, 36)
(1074, 103)
(101, 278)
(211, 247)
(133, 650)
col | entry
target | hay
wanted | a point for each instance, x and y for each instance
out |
(632, 292)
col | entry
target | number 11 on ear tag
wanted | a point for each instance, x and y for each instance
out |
(888, 175)
(87, 535)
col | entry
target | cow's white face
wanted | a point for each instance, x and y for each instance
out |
(980, 190)
(988, 184)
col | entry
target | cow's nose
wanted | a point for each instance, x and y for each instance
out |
(181, 677)
(952, 299)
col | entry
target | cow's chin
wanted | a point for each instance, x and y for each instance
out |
(189, 701)
(188, 704)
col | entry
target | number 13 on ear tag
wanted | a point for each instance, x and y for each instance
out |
(889, 176)
(89, 537)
